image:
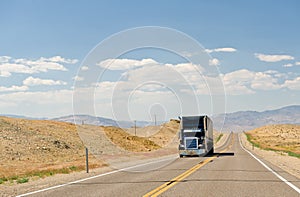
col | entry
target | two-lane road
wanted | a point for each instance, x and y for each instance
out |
(231, 173)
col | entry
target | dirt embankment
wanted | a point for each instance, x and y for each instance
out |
(278, 144)
(31, 146)
(39, 148)
(143, 139)
(284, 138)
(129, 142)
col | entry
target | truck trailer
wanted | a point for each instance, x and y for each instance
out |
(196, 136)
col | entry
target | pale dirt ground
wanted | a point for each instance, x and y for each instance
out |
(281, 137)
(282, 160)
(104, 149)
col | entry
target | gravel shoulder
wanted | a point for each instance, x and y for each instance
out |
(282, 160)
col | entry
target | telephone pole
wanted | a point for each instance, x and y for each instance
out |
(135, 127)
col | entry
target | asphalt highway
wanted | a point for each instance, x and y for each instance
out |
(231, 171)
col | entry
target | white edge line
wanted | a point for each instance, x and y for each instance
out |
(92, 177)
(268, 168)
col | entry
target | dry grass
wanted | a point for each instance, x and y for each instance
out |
(217, 136)
(284, 138)
(39, 148)
(148, 138)
(31, 146)
(129, 142)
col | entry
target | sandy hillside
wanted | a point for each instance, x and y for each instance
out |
(31, 146)
(129, 142)
(166, 134)
(28, 146)
(162, 135)
(277, 137)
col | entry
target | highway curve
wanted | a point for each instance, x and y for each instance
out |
(231, 171)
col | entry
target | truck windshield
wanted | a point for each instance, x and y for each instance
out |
(195, 123)
(193, 134)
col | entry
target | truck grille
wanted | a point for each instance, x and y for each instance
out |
(191, 143)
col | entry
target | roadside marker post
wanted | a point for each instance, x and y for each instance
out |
(87, 159)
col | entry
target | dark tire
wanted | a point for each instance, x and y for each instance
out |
(211, 152)
(180, 156)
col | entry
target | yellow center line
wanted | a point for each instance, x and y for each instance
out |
(164, 187)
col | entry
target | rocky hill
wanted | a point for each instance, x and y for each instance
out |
(237, 121)
(100, 121)
(247, 120)
(32, 148)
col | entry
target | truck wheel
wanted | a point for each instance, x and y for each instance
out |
(180, 156)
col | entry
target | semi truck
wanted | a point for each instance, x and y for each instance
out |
(196, 136)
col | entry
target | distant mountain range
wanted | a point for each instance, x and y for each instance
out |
(92, 120)
(247, 120)
(237, 121)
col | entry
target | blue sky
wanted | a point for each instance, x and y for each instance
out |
(255, 45)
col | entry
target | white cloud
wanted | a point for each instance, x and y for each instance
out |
(238, 82)
(13, 88)
(273, 58)
(214, 62)
(84, 68)
(4, 59)
(238, 89)
(246, 82)
(9, 65)
(297, 63)
(288, 65)
(30, 81)
(225, 49)
(243, 76)
(59, 59)
(45, 66)
(124, 64)
(38, 104)
(77, 78)
(263, 81)
(293, 84)
(4, 74)
(7, 68)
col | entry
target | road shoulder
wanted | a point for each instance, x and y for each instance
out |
(282, 160)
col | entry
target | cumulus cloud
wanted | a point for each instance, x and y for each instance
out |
(30, 81)
(288, 65)
(7, 68)
(237, 82)
(297, 63)
(272, 58)
(84, 68)
(225, 49)
(53, 103)
(263, 81)
(246, 82)
(77, 78)
(192, 79)
(4, 59)
(214, 62)
(10, 65)
(59, 59)
(293, 84)
(124, 64)
(13, 88)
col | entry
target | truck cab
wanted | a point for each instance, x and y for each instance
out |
(196, 136)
